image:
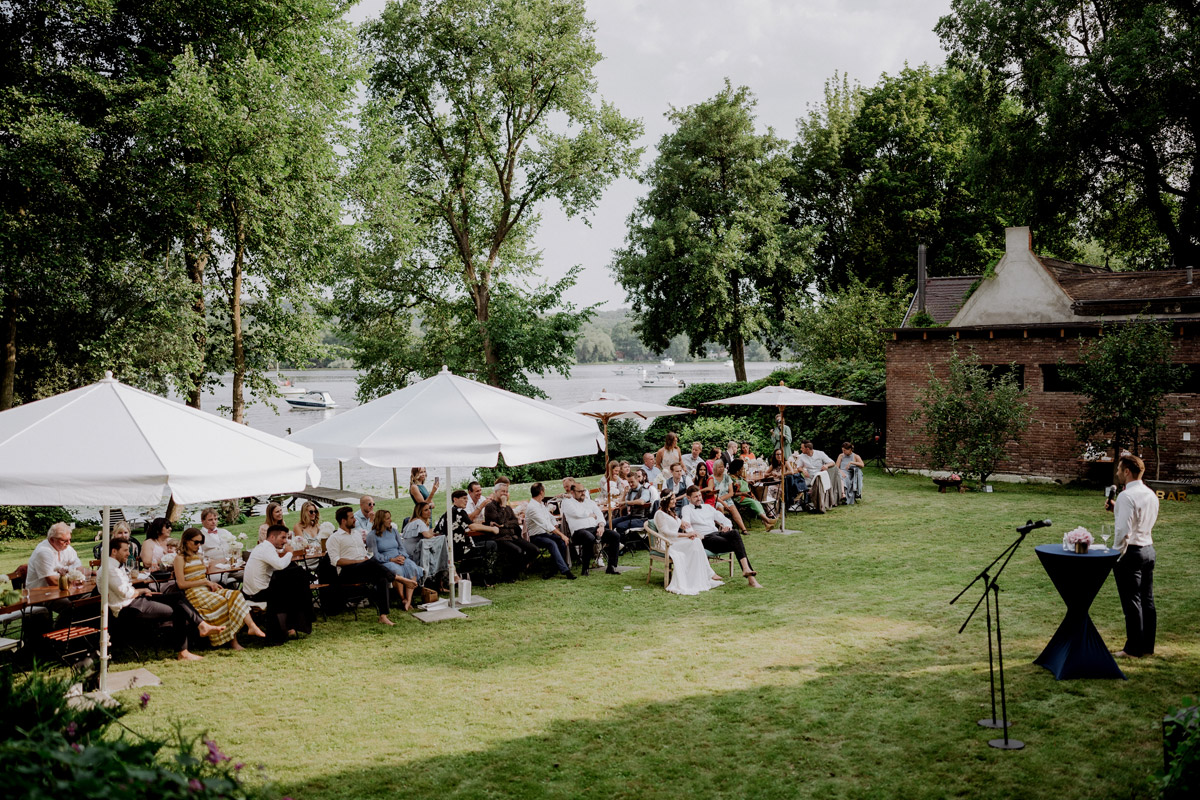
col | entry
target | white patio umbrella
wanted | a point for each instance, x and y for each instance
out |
(781, 397)
(448, 421)
(608, 405)
(110, 444)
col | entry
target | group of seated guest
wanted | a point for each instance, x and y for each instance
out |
(825, 481)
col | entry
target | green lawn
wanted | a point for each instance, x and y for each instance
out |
(844, 677)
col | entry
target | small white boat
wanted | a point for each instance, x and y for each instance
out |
(286, 387)
(624, 371)
(311, 400)
(729, 363)
(661, 381)
(666, 366)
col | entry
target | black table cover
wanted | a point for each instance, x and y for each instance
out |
(1077, 651)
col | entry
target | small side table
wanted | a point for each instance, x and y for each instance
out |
(1077, 650)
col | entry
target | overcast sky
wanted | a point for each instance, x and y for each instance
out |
(664, 53)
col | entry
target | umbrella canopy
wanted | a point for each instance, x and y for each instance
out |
(111, 444)
(608, 405)
(782, 397)
(448, 421)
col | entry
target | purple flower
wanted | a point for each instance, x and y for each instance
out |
(72, 730)
(215, 756)
(195, 785)
(144, 699)
(238, 766)
(75, 746)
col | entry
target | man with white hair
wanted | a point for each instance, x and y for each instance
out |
(52, 557)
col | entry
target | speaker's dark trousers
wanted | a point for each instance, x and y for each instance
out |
(1134, 574)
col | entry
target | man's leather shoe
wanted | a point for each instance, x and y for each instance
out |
(568, 575)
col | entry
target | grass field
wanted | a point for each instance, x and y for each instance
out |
(843, 678)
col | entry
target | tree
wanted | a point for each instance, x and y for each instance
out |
(84, 283)
(1125, 375)
(969, 420)
(1113, 87)
(594, 345)
(881, 170)
(708, 253)
(480, 111)
(847, 324)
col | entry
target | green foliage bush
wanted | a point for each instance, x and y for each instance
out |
(50, 749)
(29, 522)
(716, 431)
(1181, 778)
(828, 427)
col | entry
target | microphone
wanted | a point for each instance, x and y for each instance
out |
(1031, 525)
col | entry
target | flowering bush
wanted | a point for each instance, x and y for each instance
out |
(51, 749)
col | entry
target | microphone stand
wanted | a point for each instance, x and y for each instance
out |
(991, 593)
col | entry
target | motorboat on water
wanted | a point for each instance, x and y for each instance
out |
(660, 381)
(666, 366)
(286, 387)
(310, 400)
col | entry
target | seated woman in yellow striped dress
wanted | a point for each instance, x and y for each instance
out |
(216, 604)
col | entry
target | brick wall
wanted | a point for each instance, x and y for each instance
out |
(1049, 446)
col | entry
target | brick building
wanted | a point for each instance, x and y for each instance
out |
(1033, 312)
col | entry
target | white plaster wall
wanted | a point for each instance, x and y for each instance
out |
(1020, 292)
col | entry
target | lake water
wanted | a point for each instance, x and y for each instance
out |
(585, 381)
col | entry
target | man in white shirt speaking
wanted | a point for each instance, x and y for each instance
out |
(1136, 512)
(716, 532)
(273, 578)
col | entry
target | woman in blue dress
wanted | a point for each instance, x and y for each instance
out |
(383, 542)
(423, 545)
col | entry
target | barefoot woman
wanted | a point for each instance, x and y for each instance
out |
(218, 605)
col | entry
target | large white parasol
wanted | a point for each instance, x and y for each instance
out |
(110, 444)
(782, 397)
(448, 421)
(608, 405)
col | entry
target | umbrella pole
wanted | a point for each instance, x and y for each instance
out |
(783, 528)
(396, 484)
(341, 484)
(606, 487)
(450, 535)
(104, 559)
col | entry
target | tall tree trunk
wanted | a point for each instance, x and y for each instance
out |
(737, 342)
(8, 365)
(482, 298)
(235, 321)
(737, 351)
(197, 264)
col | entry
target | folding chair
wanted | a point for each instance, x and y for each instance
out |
(80, 638)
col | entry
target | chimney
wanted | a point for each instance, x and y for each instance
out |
(1018, 241)
(921, 279)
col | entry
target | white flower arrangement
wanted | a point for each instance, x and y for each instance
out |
(75, 576)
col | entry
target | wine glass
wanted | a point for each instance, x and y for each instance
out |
(1105, 533)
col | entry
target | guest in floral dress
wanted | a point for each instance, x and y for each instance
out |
(216, 604)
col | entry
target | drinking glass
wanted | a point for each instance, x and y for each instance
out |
(1106, 532)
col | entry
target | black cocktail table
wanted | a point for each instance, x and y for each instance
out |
(1077, 650)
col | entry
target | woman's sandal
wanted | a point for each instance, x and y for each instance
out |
(749, 574)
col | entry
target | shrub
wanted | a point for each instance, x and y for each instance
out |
(50, 749)
(1181, 778)
(30, 522)
(716, 431)
(828, 427)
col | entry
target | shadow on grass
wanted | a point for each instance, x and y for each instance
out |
(850, 731)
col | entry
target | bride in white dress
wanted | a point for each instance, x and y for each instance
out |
(690, 572)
